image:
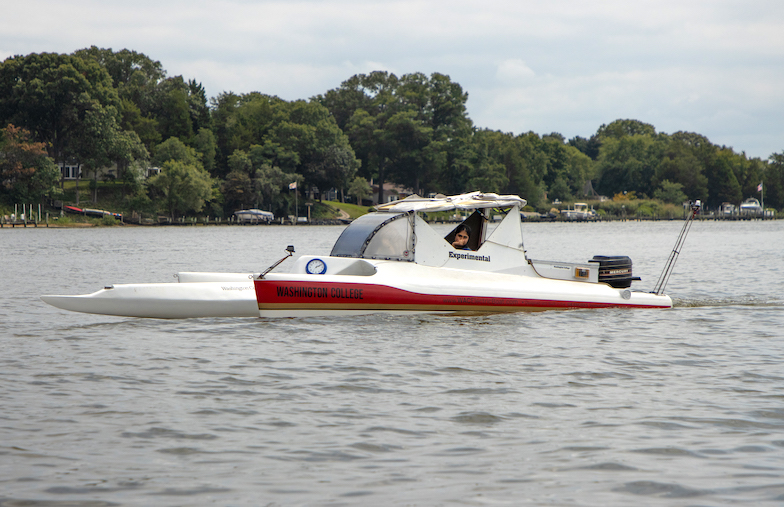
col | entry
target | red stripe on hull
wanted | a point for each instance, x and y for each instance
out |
(298, 295)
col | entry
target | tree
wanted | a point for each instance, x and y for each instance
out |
(294, 137)
(181, 188)
(589, 147)
(683, 162)
(326, 159)
(360, 189)
(254, 182)
(146, 128)
(49, 94)
(335, 168)
(722, 184)
(173, 110)
(629, 163)
(174, 149)
(101, 142)
(559, 189)
(27, 174)
(136, 78)
(670, 192)
(237, 190)
(623, 128)
(270, 182)
(488, 162)
(133, 74)
(773, 183)
(411, 130)
(207, 147)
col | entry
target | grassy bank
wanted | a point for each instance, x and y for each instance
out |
(352, 210)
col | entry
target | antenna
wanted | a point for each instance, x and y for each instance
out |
(290, 250)
(665, 276)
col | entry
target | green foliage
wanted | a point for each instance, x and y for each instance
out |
(281, 138)
(99, 107)
(253, 183)
(629, 163)
(623, 128)
(560, 190)
(140, 202)
(108, 220)
(360, 189)
(238, 192)
(684, 162)
(644, 210)
(206, 145)
(181, 188)
(773, 184)
(670, 192)
(27, 175)
(411, 130)
(174, 149)
(51, 94)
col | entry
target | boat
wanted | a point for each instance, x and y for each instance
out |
(254, 215)
(98, 213)
(580, 212)
(750, 206)
(392, 261)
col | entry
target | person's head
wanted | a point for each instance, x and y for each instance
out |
(462, 234)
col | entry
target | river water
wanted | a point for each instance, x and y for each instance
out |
(575, 408)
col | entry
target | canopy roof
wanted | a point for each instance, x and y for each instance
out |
(473, 200)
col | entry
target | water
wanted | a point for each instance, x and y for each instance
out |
(577, 408)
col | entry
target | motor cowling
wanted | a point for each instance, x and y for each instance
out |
(615, 270)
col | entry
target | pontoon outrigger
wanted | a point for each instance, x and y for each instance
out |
(392, 261)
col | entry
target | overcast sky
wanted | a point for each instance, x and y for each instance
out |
(715, 67)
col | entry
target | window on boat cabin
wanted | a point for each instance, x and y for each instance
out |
(475, 222)
(392, 241)
(377, 236)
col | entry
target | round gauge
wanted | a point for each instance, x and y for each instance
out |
(316, 267)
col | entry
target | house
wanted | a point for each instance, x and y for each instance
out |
(392, 192)
(68, 171)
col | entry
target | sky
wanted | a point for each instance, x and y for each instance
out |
(714, 67)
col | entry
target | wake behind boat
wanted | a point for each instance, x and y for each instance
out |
(392, 261)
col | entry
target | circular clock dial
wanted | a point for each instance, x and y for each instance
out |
(316, 267)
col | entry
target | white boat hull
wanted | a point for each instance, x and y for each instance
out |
(410, 288)
(165, 300)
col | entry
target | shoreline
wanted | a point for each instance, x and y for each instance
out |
(338, 222)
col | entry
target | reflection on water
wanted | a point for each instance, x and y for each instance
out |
(577, 407)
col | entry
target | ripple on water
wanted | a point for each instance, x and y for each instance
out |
(610, 407)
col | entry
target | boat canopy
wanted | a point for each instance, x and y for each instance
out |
(473, 200)
(257, 214)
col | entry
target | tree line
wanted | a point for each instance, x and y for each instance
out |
(96, 108)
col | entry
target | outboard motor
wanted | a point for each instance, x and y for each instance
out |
(615, 270)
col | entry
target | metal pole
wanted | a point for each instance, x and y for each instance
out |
(665, 275)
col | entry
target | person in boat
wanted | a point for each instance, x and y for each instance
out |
(461, 238)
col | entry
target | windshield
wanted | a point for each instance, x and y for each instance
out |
(377, 236)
